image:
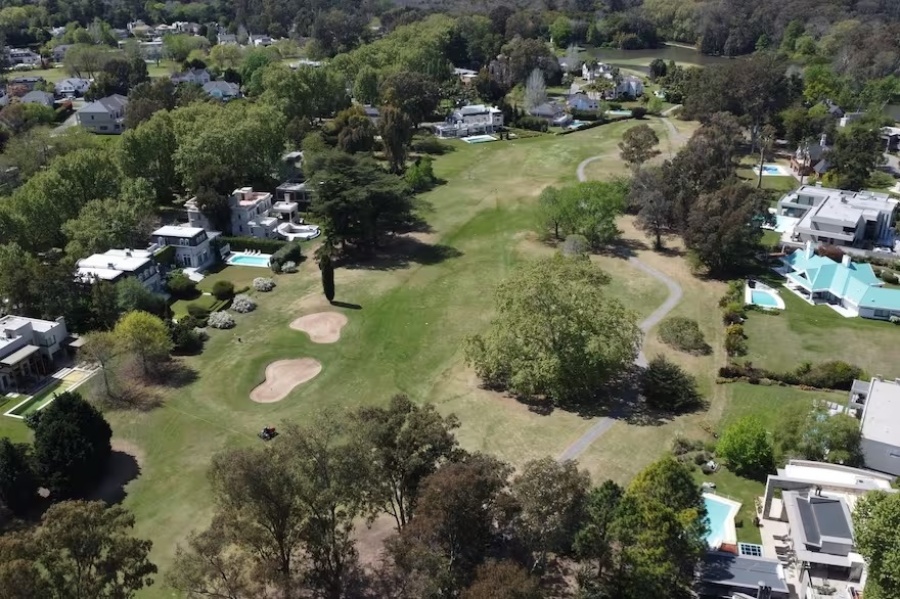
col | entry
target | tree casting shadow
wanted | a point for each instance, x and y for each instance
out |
(346, 305)
(403, 252)
(121, 470)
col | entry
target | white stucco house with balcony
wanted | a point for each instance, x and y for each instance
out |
(473, 119)
(192, 245)
(106, 116)
(839, 217)
(27, 348)
(252, 213)
(118, 264)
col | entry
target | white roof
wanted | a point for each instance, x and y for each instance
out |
(11, 321)
(110, 265)
(826, 474)
(881, 416)
(177, 231)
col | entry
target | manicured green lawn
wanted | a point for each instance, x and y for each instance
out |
(409, 315)
(772, 183)
(804, 333)
(740, 489)
(241, 276)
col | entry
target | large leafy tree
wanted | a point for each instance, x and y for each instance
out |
(359, 203)
(396, 129)
(124, 222)
(284, 518)
(587, 208)
(723, 227)
(710, 157)
(71, 446)
(557, 334)
(405, 444)
(551, 497)
(413, 93)
(503, 580)
(665, 386)
(593, 541)
(353, 130)
(146, 337)
(85, 549)
(148, 152)
(815, 436)
(747, 448)
(81, 549)
(462, 508)
(18, 483)
(655, 210)
(638, 145)
(876, 522)
(856, 153)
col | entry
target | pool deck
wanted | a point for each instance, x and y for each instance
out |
(729, 531)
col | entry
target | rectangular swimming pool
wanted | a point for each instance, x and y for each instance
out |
(259, 260)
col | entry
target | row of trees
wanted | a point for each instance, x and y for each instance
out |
(465, 525)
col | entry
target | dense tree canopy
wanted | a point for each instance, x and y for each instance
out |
(747, 448)
(570, 352)
(876, 522)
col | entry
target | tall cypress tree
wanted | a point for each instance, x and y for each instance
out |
(327, 269)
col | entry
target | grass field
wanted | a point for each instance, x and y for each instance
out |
(410, 313)
(58, 73)
(804, 333)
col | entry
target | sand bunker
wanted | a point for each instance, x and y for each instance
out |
(282, 376)
(322, 327)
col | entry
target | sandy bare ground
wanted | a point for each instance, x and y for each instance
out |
(322, 327)
(282, 376)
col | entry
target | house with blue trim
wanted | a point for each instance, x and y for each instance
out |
(846, 284)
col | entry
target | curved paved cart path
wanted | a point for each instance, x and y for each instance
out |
(602, 425)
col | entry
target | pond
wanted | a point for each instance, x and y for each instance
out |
(639, 60)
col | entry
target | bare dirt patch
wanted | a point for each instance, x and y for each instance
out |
(282, 376)
(322, 327)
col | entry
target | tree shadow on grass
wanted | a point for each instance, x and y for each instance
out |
(624, 249)
(403, 252)
(175, 374)
(346, 305)
(121, 470)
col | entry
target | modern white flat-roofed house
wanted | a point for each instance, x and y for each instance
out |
(812, 521)
(471, 120)
(27, 347)
(192, 245)
(253, 213)
(877, 402)
(105, 116)
(838, 217)
(118, 264)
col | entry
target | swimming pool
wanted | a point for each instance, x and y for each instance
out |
(258, 260)
(478, 139)
(763, 298)
(720, 514)
(618, 112)
(576, 124)
(772, 170)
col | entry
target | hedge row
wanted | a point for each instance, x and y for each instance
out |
(239, 244)
(834, 374)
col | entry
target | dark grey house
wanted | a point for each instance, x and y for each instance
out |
(723, 575)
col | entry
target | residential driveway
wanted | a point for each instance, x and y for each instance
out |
(77, 104)
(602, 425)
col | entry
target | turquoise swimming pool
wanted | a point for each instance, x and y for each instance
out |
(718, 514)
(763, 298)
(258, 260)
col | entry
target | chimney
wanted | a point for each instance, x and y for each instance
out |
(809, 248)
(845, 260)
(763, 591)
(823, 141)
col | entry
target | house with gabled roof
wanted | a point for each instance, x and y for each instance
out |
(850, 288)
(105, 116)
(222, 90)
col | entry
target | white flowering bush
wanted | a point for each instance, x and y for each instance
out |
(221, 320)
(289, 267)
(243, 304)
(263, 284)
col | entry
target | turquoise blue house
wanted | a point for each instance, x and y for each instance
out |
(847, 284)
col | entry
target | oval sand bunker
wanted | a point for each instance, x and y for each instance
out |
(322, 327)
(282, 376)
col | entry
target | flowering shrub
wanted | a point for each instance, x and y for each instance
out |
(243, 304)
(221, 320)
(289, 267)
(263, 284)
